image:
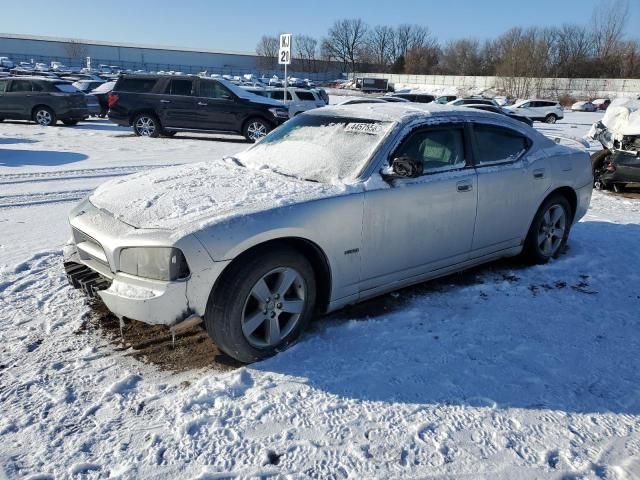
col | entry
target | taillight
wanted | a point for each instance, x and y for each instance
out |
(112, 99)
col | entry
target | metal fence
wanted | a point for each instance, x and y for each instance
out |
(520, 86)
(170, 67)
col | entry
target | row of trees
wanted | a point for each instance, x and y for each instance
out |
(596, 50)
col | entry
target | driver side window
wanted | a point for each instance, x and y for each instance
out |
(439, 150)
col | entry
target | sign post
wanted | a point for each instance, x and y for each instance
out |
(284, 58)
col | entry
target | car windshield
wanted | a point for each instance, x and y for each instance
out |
(318, 148)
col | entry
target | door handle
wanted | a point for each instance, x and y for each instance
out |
(538, 173)
(203, 104)
(464, 186)
(165, 101)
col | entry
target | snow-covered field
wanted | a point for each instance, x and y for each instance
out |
(504, 372)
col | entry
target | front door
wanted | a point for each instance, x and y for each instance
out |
(217, 107)
(177, 108)
(421, 224)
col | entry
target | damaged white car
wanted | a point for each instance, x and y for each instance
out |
(336, 206)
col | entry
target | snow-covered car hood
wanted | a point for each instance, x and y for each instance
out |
(189, 197)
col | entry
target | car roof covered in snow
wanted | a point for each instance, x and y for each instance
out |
(400, 112)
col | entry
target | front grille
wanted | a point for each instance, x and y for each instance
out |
(89, 248)
(82, 277)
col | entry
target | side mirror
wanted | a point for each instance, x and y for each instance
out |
(405, 167)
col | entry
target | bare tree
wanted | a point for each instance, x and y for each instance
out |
(421, 60)
(609, 21)
(76, 50)
(345, 42)
(380, 45)
(267, 50)
(461, 57)
(306, 49)
(408, 37)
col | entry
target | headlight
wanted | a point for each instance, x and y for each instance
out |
(156, 263)
(279, 112)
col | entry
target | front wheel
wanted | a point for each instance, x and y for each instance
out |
(551, 118)
(255, 129)
(549, 231)
(262, 304)
(44, 116)
(146, 125)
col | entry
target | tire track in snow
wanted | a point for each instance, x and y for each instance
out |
(29, 199)
(34, 177)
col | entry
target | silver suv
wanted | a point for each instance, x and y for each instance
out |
(539, 110)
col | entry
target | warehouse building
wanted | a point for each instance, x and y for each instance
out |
(73, 53)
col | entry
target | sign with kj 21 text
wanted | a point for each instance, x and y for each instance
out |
(284, 54)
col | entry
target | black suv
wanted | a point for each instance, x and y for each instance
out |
(164, 105)
(42, 100)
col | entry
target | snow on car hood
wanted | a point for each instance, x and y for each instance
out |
(623, 117)
(174, 197)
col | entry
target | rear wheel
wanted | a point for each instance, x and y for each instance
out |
(255, 129)
(262, 305)
(549, 231)
(44, 116)
(146, 125)
(551, 118)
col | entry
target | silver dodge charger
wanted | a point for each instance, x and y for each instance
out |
(337, 205)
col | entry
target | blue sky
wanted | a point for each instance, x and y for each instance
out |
(237, 25)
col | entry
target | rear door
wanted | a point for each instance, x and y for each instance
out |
(512, 177)
(4, 84)
(217, 107)
(178, 107)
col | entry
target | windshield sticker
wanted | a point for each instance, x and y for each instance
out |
(370, 128)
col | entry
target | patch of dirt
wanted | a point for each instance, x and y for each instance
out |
(193, 348)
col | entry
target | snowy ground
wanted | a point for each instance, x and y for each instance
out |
(503, 372)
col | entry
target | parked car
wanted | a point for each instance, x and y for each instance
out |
(369, 200)
(446, 99)
(602, 103)
(5, 62)
(93, 104)
(501, 111)
(414, 97)
(461, 102)
(156, 105)
(546, 111)
(298, 99)
(42, 100)
(392, 99)
(358, 100)
(323, 94)
(85, 86)
(583, 107)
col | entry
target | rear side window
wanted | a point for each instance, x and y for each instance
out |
(20, 86)
(180, 87)
(3, 86)
(305, 95)
(66, 88)
(212, 89)
(136, 85)
(498, 145)
(278, 95)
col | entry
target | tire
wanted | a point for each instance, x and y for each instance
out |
(544, 240)
(146, 125)
(255, 129)
(551, 118)
(597, 162)
(70, 123)
(44, 116)
(167, 133)
(240, 323)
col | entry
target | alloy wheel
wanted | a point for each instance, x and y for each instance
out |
(145, 126)
(552, 228)
(43, 117)
(273, 307)
(256, 130)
